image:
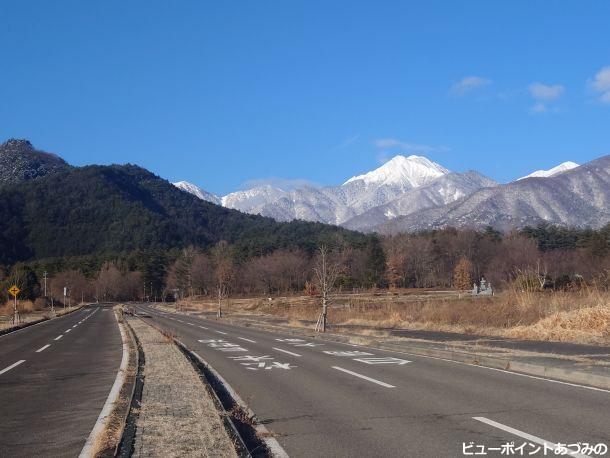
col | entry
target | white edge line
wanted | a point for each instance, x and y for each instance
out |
(356, 374)
(274, 446)
(525, 435)
(247, 340)
(286, 351)
(544, 379)
(100, 424)
(82, 309)
(43, 348)
(12, 366)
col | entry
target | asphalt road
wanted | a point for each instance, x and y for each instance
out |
(54, 380)
(328, 399)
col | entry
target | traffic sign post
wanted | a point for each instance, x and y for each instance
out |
(14, 290)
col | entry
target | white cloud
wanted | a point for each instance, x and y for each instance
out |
(348, 141)
(544, 95)
(541, 91)
(412, 148)
(539, 108)
(467, 84)
(601, 84)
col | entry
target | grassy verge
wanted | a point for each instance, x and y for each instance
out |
(28, 313)
(581, 317)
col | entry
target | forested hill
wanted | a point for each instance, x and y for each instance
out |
(109, 209)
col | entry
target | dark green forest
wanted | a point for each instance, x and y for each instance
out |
(95, 213)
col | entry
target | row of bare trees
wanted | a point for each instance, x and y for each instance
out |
(445, 259)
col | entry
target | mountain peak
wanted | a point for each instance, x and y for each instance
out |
(197, 191)
(408, 172)
(20, 161)
(563, 167)
(17, 144)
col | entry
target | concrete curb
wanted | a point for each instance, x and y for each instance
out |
(272, 444)
(232, 429)
(88, 450)
(505, 364)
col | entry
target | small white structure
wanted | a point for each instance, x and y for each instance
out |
(482, 289)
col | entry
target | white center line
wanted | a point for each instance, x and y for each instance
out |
(6, 369)
(356, 374)
(527, 436)
(220, 332)
(202, 327)
(43, 348)
(68, 330)
(286, 351)
(75, 325)
(247, 340)
(58, 337)
(190, 324)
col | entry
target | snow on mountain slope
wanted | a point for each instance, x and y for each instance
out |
(563, 167)
(407, 172)
(441, 191)
(197, 191)
(414, 193)
(576, 198)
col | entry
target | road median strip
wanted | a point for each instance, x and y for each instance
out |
(237, 415)
(176, 415)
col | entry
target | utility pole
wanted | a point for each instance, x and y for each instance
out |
(44, 275)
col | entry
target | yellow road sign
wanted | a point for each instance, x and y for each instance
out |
(14, 290)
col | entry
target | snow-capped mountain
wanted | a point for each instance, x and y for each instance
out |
(443, 190)
(413, 193)
(197, 191)
(395, 179)
(563, 167)
(407, 172)
(579, 197)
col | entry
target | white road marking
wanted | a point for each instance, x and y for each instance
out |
(526, 436)
(364, 377)
(43, 348)
(247, 340)
(6, 369)
(384, 360)
(68, 330)
(75, 325)
(220, 332)
(190, 324)
(202, 327)
(286, 351)
(58, 337)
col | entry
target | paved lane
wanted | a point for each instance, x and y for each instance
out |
(330, 399)
(54, 380)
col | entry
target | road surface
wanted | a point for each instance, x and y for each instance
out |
(329, 399)
(54, 380)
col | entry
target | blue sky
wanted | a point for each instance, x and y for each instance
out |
(223, 93)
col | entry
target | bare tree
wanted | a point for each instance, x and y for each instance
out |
(325, 275)
(224, 270)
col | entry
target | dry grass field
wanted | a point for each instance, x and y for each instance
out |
(581, 316)
(28, 311)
